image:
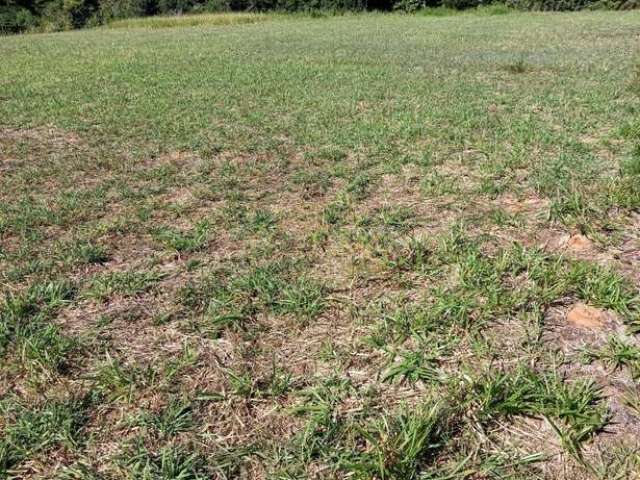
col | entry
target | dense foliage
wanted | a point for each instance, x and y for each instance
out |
(51, 15)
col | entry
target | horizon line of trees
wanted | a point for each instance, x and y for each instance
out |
(52, 15)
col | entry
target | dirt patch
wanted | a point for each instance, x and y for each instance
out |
(44, 134)
(585, 316)
(571, 328)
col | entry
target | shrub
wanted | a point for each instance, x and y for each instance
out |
(175, 6)
(411, 6)
(461, 4)
(15, 19)
(217, 6)
(79, 12)
(116, 9)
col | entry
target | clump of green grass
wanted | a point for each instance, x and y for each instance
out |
(334, 213)
(411, 255)
(185, 241)
(118, 382)
(242, 383)
(518, 66)
(259, 220)
(86, 252)
(314, 183)
(30, 268)
(360, 186)
(203, 19)
(406, 443)
(485, 284)
(615, 354)
(401, 444)
(435, 184)
(176, 417)
(171, 461)
(126, 283)
(79, 471)
(27, 431)
(24, 316)
(235, 302)
(23, 216)
(413, 367)
(397, 218)
(574, 410)
(631, 166)
(304, 298)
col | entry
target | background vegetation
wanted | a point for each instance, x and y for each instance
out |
(53, 15)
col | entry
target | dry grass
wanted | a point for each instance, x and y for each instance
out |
(203, 19)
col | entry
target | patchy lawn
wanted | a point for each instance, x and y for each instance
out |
(371, 246)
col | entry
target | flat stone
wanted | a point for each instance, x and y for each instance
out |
(585, 316)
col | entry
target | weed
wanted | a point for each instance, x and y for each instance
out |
(174, 418)
(185, 242)
(23, 318)
(27, 431)
(334, 212)
(401, 445)
(634, 84)
(79, 471)
(86, 252)
(399, 218)
(615, 354)
(414, 367)
(413, 255)
(518, 66)
(576, 407)
(261, 220)
(127, 283)
(313, 183)
(631, 167)
(304, 298)
(278, 382)
(360, 186)
(170, 463)
(116, 381)
(435, 185)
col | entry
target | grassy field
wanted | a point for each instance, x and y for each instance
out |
(365, 247)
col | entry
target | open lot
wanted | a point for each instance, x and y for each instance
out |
(369, 246)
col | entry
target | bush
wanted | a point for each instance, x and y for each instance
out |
(217, 6)
(411, 6)
(15, 19)
(176, 6)
(461, 4)
(117, 9)
(79, 12)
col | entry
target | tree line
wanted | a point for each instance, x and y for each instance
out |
(52, 15)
